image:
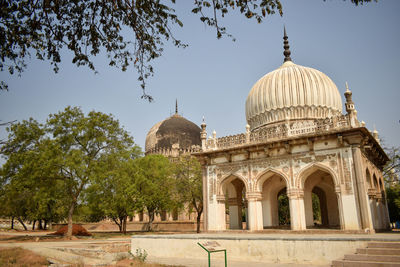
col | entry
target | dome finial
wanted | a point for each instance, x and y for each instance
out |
(176, 106)
(286, 52)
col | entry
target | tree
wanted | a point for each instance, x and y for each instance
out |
(391, 173)
(113, 192)
(44, 27)
(189, 184)
(154, 185)
(28, 193)
(81, 144)
(49, 166)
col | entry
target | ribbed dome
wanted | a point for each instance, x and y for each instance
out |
(175, 130)
(292, 92)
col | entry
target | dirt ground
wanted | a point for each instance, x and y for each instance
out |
(16, 257)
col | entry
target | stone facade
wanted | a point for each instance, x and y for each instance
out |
(298, 145)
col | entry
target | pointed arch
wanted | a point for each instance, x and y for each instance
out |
(226, 179)
(309, 169)
(261, 178)
(376, 184)
(368, 178)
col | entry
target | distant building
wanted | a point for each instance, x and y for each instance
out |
(298, 145)
(173, 137)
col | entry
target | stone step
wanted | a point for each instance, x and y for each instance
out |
(384, 245)
(366, 257)
(378, 251)
(346, 263)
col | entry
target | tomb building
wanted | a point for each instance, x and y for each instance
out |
(298, 148)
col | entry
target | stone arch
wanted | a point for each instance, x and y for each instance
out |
(226, 179)
(309, 169)
(271, 183)
(318, 180)
(232, 190)
(261, 178)
(376, 184)
(368, 178)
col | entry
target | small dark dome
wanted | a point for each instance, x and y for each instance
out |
(174, 132)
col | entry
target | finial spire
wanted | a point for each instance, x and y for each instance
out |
(286, 52)
(347, 87)
(176, 106)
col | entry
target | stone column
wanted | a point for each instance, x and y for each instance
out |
(379, 212)
(297, 212)
(255, 220)
(372, 205)
(361, 190)
(235, 214)
(216, 214)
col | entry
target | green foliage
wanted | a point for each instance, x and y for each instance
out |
(283, 209)
(113, 193)
(140, 255)
(316, 208)
(189, 184)
(129, 32)
(49, 166)
(393, 201)
(28, 192)
(155, 185)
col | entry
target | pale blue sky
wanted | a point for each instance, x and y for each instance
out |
(212, 77)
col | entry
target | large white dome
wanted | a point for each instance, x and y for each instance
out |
(292, 92)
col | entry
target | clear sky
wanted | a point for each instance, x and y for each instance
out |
(212, 78)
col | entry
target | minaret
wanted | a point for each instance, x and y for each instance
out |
(286, 52)
(351, 111)
(176, 106)
(203, 135)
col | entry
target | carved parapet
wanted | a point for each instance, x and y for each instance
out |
(279, 131)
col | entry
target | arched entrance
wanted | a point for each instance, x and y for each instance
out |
(234, 191)
(274, 202)
(320, 200)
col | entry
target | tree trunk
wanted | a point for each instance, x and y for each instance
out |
(151, 219)
(198, 222)
(12, 222)
(70, 213)
(124, 224)
(40, 227)
(33, 225)
(22, 222)
(118, 223)
(44, 224)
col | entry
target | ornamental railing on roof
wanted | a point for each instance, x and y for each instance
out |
(280, 131)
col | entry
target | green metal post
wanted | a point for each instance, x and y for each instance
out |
(209, 261)
(226, 265)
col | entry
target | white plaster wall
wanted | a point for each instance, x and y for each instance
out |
(350, 216)
(297, 250)
(233, 217)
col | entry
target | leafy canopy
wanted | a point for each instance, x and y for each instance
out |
(128, 31)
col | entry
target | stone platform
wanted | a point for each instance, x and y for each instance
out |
(311, 247)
